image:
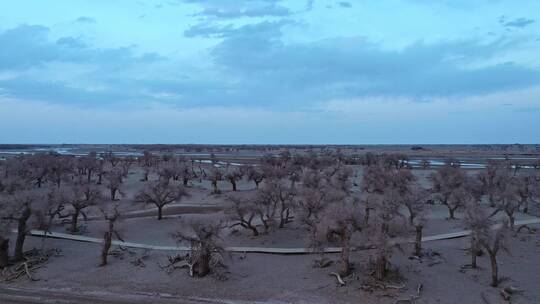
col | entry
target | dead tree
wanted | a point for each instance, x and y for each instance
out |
(255, 174)
(215, 175)
(450, 187)
(476, 220)
(206, 251)
(4, 243)
(19, 206)
(242, 212)
(80, 195)
(415, 203)
(111, 216)
(493, 241)
(507, 196)
(489, 177)
(114, 180)
(277, 197)
(160, 194)
(340, 220)
(233, 176)
(386, 187)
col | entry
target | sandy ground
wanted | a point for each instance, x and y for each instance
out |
(268, 278)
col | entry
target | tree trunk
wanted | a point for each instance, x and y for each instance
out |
(418, 241)
(74, 220)
(107, 240)
(202, 267)
(89, 177)
(233, 185)
(113, 194)
(254, 230)
(185, 181)
(494, 270)
(345, 266)
(451, 213)
(474, 252)
(4, 252)
(380, 267)
(159, 212)
(257, 185)
(100, 178)
(512, 220)
(21, 234)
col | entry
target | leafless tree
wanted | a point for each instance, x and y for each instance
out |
(493, 242)
(80, 195)
(341, 219)
(385, 187)
(507, 196)
(485, 234)
(125, 165)
(114, 179)
(450, 187)
(147, 162)
(275, 197)
(4, 241)
(207, 252)
(215, 175)
(233, 176)
(59, 169)
(415, 202)
(111, 158)
(160, 194)
(242, 212)
(489, 177)
(255, 174)
(18, 203)
(111, 216)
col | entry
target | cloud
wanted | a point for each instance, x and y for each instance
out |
(84, 19)
(29, 46)
(256, 57)
(68, 70)
(208, 30)
(518, 23)
(345, 4)
(228, 9)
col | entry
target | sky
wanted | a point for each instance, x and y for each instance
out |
(270, 71)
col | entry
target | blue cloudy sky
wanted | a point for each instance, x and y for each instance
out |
(270, 71)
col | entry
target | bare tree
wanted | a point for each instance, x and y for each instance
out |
(485, 234)
(18, 204)
(275, 197)
(111, 216)
(59, 169)
(415, 203)
(80, 195)
(233, 176)
(114, 180)
(493, 242)
(215, 175)
(4, 241)
(507, 195)
(255, 174)
(160, 194)
(341, 219)
(207, 252)
(450, 187)
(385, 187)
(242, 212)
